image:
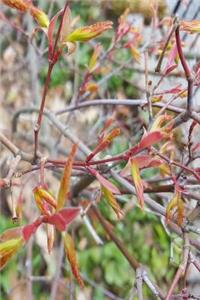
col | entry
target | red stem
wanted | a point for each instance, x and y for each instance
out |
(186, 70)
(52, 60)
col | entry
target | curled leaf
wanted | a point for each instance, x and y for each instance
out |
(71, 256)
(137, 182)
(44, 195)
(65, 180)
(112, 202)
(176, 203)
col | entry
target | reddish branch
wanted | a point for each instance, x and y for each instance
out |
(186, 70)
(52, 60)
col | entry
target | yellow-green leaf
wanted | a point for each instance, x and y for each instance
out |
(112, 201)
(137, 182)
(84, 34)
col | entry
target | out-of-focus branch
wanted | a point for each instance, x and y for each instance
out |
(132, 261)
(182, 267)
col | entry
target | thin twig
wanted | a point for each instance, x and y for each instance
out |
(182, 267)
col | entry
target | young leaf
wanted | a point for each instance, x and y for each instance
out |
(8, 249)
(41, 193)
(158, 123)
(147, 141)
(62, 218)
(40, 17)
(66, 24)
(112, 201)
(93, 59)
(171, 64)
(20, 5)
(71, 255)
(50, 31)
(30, 229)
(143, 161)
(65, 180)
(175, 203)
(42, 205)
(50, 237)
(84, 34)
(104, 182)
(137, 182)
(190, 26)
(104, 142)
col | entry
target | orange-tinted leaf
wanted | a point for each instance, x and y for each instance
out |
(62, 218)
(21, 5)
(41, 194)
(12, 233)
(71, 255)
(137, 182)
(135, 54)
(190, 26)
(42, 205)
(65, 180)
(143, 161)
(8, 249)
(50, 237)
(91, 87)
(112, 201)
(104, 182)
(93, 59)
(176, 203)
(87, 33)
(158, 123)
(104, 142)
(19, 205)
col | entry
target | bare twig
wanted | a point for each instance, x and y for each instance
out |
(182, 267)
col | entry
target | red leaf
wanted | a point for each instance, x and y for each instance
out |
(62, 218)
(150, 139)
(30, 229)
(50, 31)
(107, 184)
(171, 65)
